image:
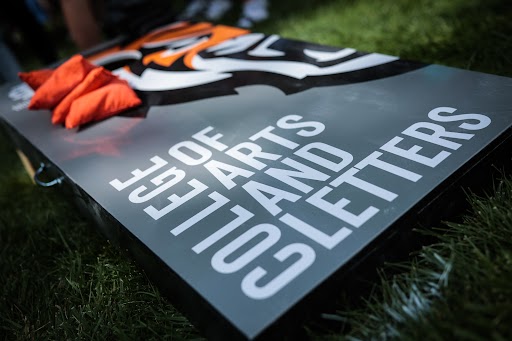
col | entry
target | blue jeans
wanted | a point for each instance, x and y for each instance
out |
(9, 66)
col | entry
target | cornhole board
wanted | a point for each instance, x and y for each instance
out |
(261, 171)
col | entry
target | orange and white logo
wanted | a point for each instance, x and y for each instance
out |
(183, 62)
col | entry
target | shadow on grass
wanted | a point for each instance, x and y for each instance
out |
(60, 279)
(480, 38)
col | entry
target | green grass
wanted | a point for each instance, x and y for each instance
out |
(457, 288)
(60, 279)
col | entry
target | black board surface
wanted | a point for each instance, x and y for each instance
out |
(258, 168)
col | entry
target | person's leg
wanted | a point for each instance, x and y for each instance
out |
(253, 11)
(9, 66)
(82, 25)
(217, 9)
(193, 9)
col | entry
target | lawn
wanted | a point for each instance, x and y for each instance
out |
(61, 279)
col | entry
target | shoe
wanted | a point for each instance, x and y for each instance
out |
(217, 9)
(193, 9)
(253, 11)
(244, 22)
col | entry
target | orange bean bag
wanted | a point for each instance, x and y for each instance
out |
(36, 78)
(60, 83)
(95, 79)
(102, 103)
(79, 92)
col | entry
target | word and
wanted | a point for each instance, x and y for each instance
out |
(297, 167)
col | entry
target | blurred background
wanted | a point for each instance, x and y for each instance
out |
(61, 279)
